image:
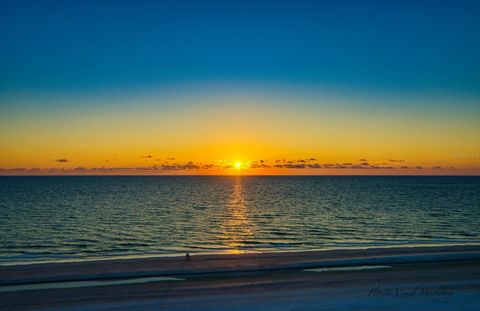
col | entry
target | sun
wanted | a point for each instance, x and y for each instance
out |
(238, 165)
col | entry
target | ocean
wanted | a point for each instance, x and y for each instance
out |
(74, 218)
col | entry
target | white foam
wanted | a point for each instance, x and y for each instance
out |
(80, 284)
(351, 268)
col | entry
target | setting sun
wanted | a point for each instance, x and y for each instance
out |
(238, 165)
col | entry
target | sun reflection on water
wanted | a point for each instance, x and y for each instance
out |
(236, 229)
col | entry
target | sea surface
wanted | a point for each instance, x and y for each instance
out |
(60, 218)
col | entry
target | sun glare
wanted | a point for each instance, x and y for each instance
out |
(238, 165)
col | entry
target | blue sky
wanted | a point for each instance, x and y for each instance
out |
(411, 46)
(126, 84)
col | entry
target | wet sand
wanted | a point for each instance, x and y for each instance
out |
(424, 278)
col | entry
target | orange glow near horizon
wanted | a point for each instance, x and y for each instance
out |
(246, 134)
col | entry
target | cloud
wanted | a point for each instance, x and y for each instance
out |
(364, 165)
(146, 157)
(297, 166)
(177, 166)
(306, 160)
(17, 169)
(180, 167)
(377, 167)
(395, 161)
(260, 165)
(61, 160)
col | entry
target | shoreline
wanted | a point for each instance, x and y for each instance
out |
(180, 254)
(230, 263)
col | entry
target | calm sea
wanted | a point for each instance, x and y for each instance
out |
(78, 218)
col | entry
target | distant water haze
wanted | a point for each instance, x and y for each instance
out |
(89, 217)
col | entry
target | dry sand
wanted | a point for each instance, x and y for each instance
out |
(423, 278)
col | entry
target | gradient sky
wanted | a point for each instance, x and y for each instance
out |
(274, 87)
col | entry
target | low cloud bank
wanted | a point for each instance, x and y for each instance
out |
(278, 164)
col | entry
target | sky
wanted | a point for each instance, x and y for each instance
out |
(240, 87)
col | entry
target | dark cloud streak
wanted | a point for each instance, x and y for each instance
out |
(62, 160)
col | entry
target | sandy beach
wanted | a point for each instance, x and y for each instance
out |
(416, 278)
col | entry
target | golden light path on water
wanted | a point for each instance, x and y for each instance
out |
(237, 226)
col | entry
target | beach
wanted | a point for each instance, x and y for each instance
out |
(240, 155)
(408, 278)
